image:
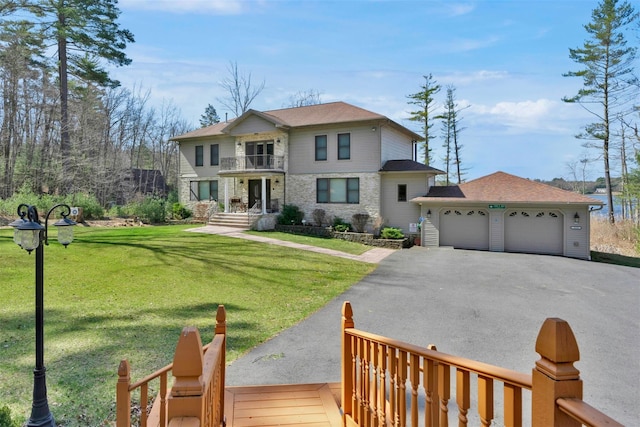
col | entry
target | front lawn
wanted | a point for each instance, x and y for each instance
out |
(118, 293)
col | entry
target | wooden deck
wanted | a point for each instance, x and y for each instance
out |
(282, 405)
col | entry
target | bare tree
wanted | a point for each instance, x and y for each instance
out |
(304, 98)
(241, 91)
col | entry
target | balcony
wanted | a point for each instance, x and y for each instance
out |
(255, 162)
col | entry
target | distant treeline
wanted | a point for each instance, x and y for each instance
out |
(584, 187)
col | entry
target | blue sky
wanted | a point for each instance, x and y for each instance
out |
(505, 59)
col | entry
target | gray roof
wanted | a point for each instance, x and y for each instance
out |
(408, 166)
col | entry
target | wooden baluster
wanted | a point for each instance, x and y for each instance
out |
(221, 329)
(382, 393)
(144, 399)
(554, 375)
(512, 406)
(430, 373)
(414, 373)
(463, 396)
(485, 400)
(375, 378)
(348, 362)
(163, 399)
(402, 387)
(123, 395)
(393, 389)
(444, 390)
(355, 373)
(366, 381)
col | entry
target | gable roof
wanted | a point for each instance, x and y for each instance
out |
(311, 115)
(407, 166)
(503, 187)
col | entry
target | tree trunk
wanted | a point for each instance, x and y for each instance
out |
(65, 138)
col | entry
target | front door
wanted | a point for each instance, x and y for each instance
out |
(255, 192)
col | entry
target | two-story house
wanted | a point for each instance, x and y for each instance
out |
(335, 156)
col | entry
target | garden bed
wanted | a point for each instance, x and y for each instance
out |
(363, 238)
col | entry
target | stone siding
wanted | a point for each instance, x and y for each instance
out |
(363, 238)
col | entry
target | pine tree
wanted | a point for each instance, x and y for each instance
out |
(451, 134)
(425, 115)
(608, 77)
(85, 32)
(209, 117)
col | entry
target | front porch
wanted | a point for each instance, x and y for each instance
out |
(385, 382)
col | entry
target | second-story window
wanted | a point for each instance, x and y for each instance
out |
(321, 147)
(215, 155)
(199, 155)
(344, 146)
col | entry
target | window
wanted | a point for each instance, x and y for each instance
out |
(402, 192)
(321, 147)
(204, 190)
(344, 146)
(199, 155)
(215, 155)
(338, 190)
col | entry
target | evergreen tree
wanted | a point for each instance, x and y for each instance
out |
(451, 134)
(85, 32)
(425, 114)
(209, 117)
(608, 77)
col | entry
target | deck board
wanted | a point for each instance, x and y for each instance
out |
(296, 404)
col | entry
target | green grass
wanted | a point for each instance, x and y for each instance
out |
(327, 243)
(127, 292)
(616, 259)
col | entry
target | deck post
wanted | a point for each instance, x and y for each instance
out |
(123, 396)
(185, 399)
(347, 379)
(554, 375)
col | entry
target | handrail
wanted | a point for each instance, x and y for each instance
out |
(584, 413)
(496, 372)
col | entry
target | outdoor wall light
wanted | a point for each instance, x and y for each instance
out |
(278, 141)
(277, 181)
(239, 144)
(428, 213)
(576, 218)
(30, 235)
(241, 181)
(373, 129)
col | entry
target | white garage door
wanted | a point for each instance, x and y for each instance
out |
(464, 228)
(533, 231)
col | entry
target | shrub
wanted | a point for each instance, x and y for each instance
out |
(340, 225)
(359, 221)
(180, 212)
(290, 215)
(91, 208)
(391, 233)
(319, 217)
(152, 210)
(5, 418)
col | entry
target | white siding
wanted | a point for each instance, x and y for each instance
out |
(401, 214)
(251, 125)
(395, 145)
(496, 230)
(188, 166)
(365, 151)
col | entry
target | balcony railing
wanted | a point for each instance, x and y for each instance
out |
(253, 162)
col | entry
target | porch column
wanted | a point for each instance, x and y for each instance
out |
(264, 195)
(226, 195)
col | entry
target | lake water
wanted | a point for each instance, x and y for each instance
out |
(617, 208)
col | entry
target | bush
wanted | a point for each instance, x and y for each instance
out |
(319, 217)
(91, 208)
(391, 233)
(359, 221)
(340, 225)
(180, 212)
(290, 215)
(5, 418)
(151, 210)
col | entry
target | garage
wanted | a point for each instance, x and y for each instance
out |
(534, 231)
(464, 228)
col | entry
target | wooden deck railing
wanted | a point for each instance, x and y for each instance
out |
(197, 395)
(385, 382)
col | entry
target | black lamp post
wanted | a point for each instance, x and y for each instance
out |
(29, 234)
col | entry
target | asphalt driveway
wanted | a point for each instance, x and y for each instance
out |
(485, 306)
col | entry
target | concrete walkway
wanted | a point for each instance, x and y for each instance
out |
(372, 256)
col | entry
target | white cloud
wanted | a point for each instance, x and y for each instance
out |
(463, 79)
(215, 7)
(457, 9)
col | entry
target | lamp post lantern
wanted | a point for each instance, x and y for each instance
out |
(30, 235)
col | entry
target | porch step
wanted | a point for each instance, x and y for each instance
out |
(235, 220)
